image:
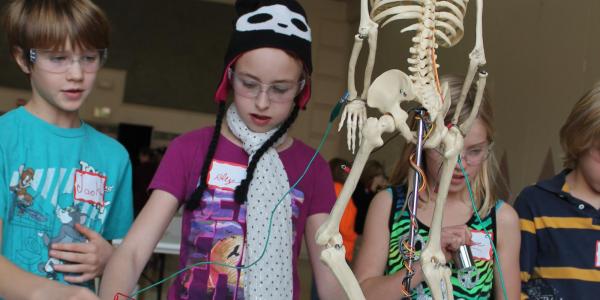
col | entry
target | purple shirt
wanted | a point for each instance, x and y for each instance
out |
(216, 230)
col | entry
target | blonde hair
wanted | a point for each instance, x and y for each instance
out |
(49, 24)
(488, 183)
(582, 127)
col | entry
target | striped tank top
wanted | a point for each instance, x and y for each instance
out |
(474, 284)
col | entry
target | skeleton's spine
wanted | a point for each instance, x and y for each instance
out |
(423, 49)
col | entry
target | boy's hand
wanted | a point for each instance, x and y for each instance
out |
(87, 259)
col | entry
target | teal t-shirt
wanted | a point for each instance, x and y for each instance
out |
(52, 178)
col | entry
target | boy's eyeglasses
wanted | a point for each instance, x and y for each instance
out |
(279, 92)
(54, 61)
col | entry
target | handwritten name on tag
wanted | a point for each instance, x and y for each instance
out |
(482, 246)
(225, 175)
(89, 187)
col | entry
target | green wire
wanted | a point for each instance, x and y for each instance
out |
(487, 234)
(334, 114)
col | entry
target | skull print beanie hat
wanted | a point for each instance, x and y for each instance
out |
(280, 24)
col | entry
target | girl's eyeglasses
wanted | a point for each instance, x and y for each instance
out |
(279, 92)
(475, 155)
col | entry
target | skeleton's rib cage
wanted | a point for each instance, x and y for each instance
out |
(436, 23)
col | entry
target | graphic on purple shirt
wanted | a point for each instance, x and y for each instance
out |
(216, 231)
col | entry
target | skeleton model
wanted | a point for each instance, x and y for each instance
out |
(437, 23)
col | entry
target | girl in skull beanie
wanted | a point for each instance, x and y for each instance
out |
(269, 23)
(280, 24)
(204, 170)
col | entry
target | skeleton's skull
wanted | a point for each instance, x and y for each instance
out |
(277, 18)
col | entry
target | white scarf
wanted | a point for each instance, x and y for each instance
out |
(271, 277)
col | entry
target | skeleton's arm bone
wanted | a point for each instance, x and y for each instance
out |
(356, 49)
(466, 125)
(476, 60)
(372, 41)
(357, 113)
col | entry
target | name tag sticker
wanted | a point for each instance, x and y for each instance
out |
(597, 254)
(482, 246)
(89, 187)
(225, 175)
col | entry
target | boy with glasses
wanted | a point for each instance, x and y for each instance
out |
(560, 217)
(65, 188)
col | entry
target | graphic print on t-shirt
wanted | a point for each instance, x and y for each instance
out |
(22, 193)
(43, 211)
(216, 234)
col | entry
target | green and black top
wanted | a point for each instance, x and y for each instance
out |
(470, 284)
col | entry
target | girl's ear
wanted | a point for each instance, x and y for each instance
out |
(20, 59)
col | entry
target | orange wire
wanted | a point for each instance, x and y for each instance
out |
(419, 170)
(435, 73)
(409, 252)
(435, 70)
(428, 131)
(410, 271)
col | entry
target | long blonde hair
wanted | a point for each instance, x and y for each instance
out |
(488, 183)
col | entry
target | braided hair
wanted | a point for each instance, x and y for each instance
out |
(241, 192)
(194, 201)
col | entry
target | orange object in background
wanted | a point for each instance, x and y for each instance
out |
(347, 224)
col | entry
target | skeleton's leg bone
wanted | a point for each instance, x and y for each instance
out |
(328, 234)
(371, 139)
(433, 260)
(336, 261)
